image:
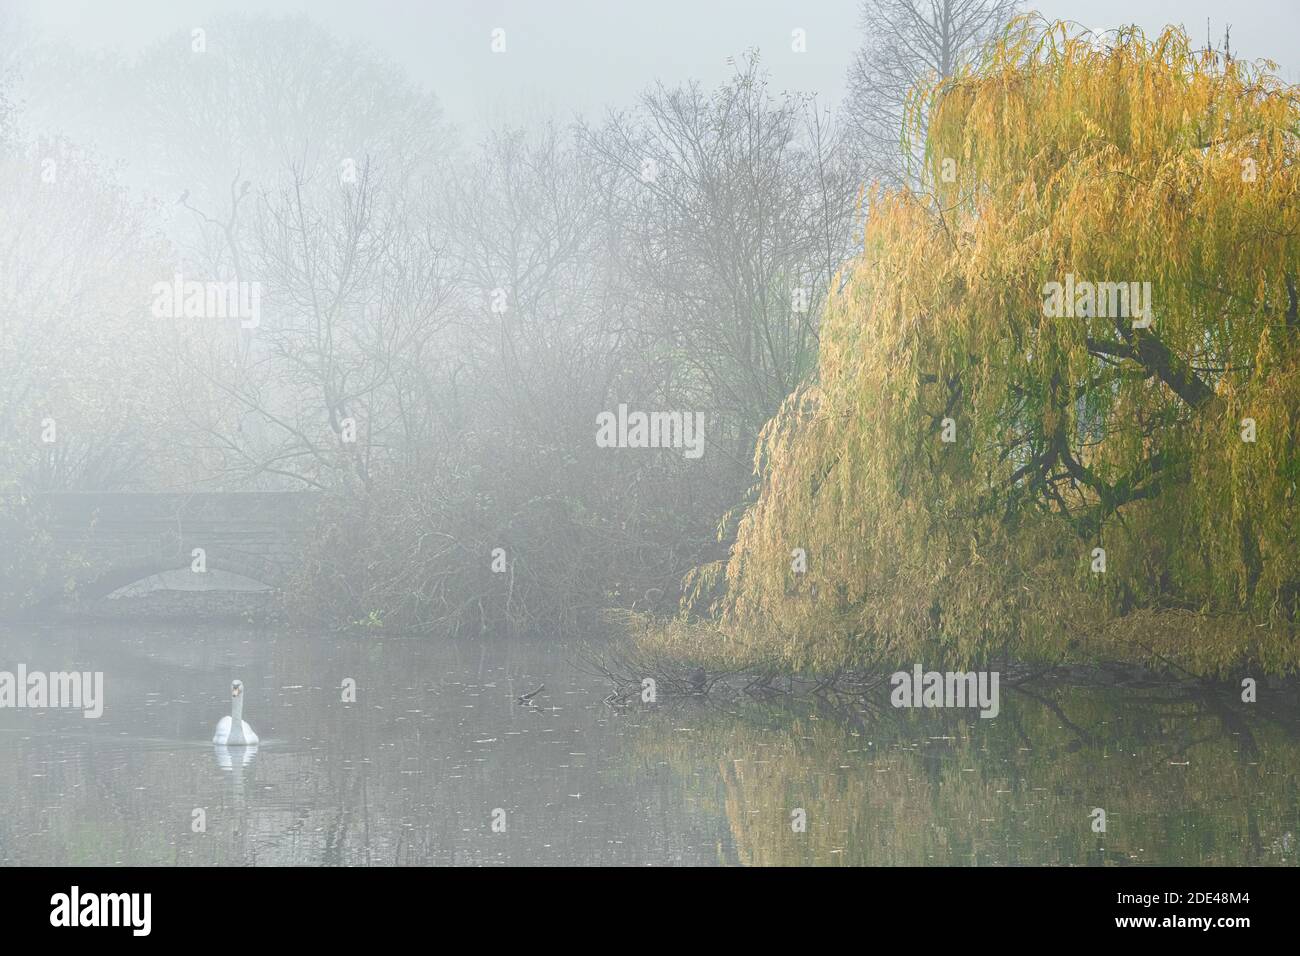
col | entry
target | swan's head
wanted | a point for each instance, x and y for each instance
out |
(236, 688)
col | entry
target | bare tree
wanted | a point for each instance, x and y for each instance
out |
(545, 298)
(335, 380)
(736, 211)
(909, 42)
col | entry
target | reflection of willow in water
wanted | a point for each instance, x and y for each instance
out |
(1184, 780)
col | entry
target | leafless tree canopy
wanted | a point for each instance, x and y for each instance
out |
(907, 42)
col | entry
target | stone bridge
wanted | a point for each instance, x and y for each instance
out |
(102, 541)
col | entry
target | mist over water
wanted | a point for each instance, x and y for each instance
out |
(412, 772)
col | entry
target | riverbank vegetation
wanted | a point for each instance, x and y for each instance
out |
(968, 478)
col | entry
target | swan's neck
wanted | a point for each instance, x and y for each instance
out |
(236, 711)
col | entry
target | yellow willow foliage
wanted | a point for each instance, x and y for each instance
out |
(1064, 160)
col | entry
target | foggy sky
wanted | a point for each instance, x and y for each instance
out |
(580, 56)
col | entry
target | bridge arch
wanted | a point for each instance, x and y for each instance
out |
(104, 541)
(96, 583)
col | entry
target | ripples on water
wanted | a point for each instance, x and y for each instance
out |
(412, 772)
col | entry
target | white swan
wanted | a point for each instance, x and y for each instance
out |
(232, 731)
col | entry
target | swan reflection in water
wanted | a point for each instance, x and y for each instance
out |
(234, 759)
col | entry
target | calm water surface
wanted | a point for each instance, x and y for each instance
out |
(412, 772)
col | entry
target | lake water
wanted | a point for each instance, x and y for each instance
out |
(435, 749)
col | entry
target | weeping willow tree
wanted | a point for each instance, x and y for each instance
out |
(1006, 451)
